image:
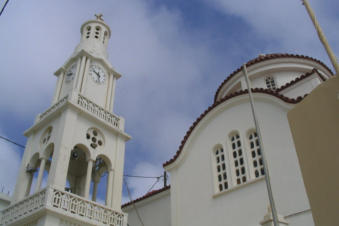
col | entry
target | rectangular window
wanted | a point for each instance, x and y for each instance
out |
(222, 179)
(238, 158)
(257, 161)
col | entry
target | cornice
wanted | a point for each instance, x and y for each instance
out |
(298, 79)
(81, 53)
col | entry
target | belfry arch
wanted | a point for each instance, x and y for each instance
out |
(101, 179)
(77, 170)
(31, 172)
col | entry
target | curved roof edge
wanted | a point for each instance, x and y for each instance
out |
(147, 195)
(266, 57)
(215, 104)
(308, 74)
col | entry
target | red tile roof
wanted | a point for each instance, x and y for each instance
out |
(266, 57)
(149, 194)
(217, 103)
(308, 74)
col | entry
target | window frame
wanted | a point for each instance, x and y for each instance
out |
(231, 157)
(271, 83)
(216, 181)
(250, 157)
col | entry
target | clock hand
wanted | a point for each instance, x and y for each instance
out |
(97, 74)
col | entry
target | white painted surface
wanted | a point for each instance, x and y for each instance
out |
(193, 186)
(80, 105)
(154, 211)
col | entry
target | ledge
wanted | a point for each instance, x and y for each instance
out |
(236, 187)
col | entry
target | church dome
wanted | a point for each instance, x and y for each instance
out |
(271, 71)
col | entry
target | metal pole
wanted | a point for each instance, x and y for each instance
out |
(3, 7)
(267, 176)
(165, 179)
(322, 36)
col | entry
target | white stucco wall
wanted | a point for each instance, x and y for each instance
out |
(4, 201)
(193, 197)
(154, 211)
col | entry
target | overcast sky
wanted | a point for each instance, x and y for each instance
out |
(172, 55)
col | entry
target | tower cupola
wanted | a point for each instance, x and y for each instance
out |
(94, 37)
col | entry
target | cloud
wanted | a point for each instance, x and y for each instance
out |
(170, 69)
(284, 24)
(10, 161)
(140, 186)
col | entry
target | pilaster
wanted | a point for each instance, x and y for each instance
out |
(24, 179)
(118, 177)
(63, 146)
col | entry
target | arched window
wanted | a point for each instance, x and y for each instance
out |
(238, 159)
(97, 32)
(88, 31)
(270, 83)
(220, 161)
(256, 156)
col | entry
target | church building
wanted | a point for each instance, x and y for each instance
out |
(217, 174)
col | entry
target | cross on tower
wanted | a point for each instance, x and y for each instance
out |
(99, 17)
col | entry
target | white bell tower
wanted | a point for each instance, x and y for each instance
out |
(74, 145)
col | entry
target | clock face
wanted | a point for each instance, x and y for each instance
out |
(71, 72)
(97, 73)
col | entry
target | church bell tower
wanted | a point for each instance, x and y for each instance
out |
(74, 156)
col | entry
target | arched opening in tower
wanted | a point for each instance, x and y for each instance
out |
(99, 184)
(77, 170)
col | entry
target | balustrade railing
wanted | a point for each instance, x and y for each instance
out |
(63, 202)
(24, 207)
(53, 107)
(79, 206)
(88, 105)
(98, 111)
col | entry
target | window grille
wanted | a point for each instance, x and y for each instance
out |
(238, 157)
(221, 169)
(270, 83)
(255, 150)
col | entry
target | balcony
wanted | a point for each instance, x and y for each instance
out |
(63, 203)
(86, 105)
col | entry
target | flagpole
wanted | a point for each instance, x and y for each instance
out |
(267, 176)
(322, 36)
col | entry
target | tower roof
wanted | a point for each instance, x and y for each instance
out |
(99, 20)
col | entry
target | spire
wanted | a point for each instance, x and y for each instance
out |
(94, 37)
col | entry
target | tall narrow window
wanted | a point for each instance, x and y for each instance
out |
(238, 157)
(270, 83)
(256, 154)
(221, 169)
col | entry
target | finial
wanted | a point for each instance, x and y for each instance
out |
(99, 17)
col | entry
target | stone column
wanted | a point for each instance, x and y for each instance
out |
(40, 175)
(88, 177)
(109, 187)
(29, 185)
(96, 180)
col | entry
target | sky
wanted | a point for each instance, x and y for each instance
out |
(172, 55)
